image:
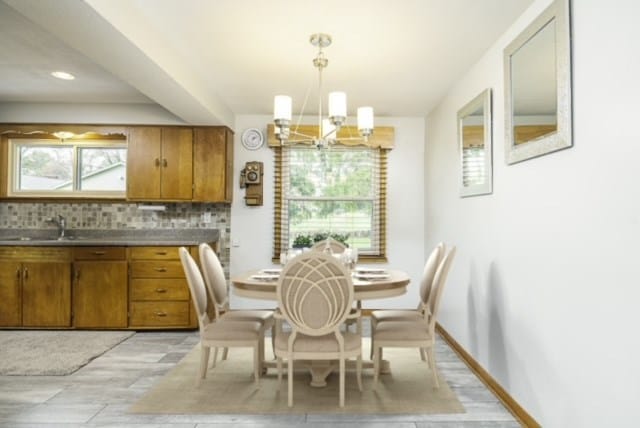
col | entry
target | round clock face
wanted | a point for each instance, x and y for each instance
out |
(252, 139)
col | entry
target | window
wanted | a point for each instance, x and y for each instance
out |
(70, 169)
(339, 191)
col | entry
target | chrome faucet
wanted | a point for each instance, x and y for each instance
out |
(61, 222)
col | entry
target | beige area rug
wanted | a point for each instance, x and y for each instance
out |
(53, 353)
(229, 388)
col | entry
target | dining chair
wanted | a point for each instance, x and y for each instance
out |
(216, 284)
(315, 295)
(219, 332)
(426, 281)
(414, 333)
(336, 247)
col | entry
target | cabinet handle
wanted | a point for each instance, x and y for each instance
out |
(99, 253)
(161, 290)
(18, 273)
(77, 274)
(157, 162)
(164, 163)
(25, 274)
(160, 269)
(161, 314)
(161, 253)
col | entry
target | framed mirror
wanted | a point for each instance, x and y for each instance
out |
(537, 70)
(475, 143)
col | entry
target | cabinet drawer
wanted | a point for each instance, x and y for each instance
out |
(99, 253)
(159, 289)
(159, 314)
(156, 269)
(154, 253)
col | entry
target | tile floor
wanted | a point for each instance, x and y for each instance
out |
(99, 394)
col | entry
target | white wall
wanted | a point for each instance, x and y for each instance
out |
(544, 292)
(252, 227)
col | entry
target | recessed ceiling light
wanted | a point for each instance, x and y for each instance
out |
(63, 75)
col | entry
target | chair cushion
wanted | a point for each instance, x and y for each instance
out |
(229, 330)
(326, 343)
(396, 315)
(248, 315)
(401, 331)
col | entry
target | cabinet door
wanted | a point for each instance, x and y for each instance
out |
(46, 294)
(100, 294)
(210, 165)
(144, 160)
(177, 164)
(10, 298)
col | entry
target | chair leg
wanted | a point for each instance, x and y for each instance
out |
(273, 339)
(204, 360)
(256, 362)
(432, 363)
(342, 381)
(359, 371)
(215, 357)
(374, 324)
(279, 365)
(376, 365)
(290, 381)
(225, 353)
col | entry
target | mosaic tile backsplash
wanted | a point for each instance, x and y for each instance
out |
(109, 216)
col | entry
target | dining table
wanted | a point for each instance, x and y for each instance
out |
(368, 284)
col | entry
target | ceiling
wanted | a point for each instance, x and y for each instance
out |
(206, 61)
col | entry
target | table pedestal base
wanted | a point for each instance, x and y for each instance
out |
(321, 369)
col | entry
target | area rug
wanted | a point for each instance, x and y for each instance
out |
(229, 388)
(53, 353)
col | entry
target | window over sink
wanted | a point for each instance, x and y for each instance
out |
(44, 167)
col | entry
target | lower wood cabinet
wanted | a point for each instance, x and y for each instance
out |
(100, 287)
(94, 287)
(35, 287)
(159, 293)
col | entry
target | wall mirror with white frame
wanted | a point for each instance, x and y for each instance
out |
(475, 143)
(537, 70)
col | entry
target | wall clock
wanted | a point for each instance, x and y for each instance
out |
(252, 139)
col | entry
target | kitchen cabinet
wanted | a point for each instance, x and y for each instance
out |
(160, 163)
(100, 287)
(212, 164)
(10, 294)
(37, 287)
(158, 290)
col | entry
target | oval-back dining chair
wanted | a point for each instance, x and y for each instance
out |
(420, 333)
(217, 289)
(315, 296)
(219, 332)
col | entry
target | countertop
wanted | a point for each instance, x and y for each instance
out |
(101, 237)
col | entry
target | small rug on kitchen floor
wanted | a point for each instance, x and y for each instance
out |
(53, 353)
(229, 388)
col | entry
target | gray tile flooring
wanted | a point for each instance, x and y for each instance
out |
(99, 394)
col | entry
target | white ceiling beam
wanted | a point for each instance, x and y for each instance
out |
(129, 55)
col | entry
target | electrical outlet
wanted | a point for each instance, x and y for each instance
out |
(206, 217)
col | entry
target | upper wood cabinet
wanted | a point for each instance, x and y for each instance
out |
(160, 163)
(212, 164)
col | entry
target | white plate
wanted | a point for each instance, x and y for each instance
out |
(265, 277)
(371, 276)
(274, 271)
(368, 270)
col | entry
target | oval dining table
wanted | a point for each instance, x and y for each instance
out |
(253, 284)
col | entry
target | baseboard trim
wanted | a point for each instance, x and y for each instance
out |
(512, 405)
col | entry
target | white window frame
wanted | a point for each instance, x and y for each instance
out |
(13, 166)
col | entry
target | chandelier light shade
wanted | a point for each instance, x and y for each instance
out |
(337, 108)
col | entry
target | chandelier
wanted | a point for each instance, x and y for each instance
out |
(327, 128)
